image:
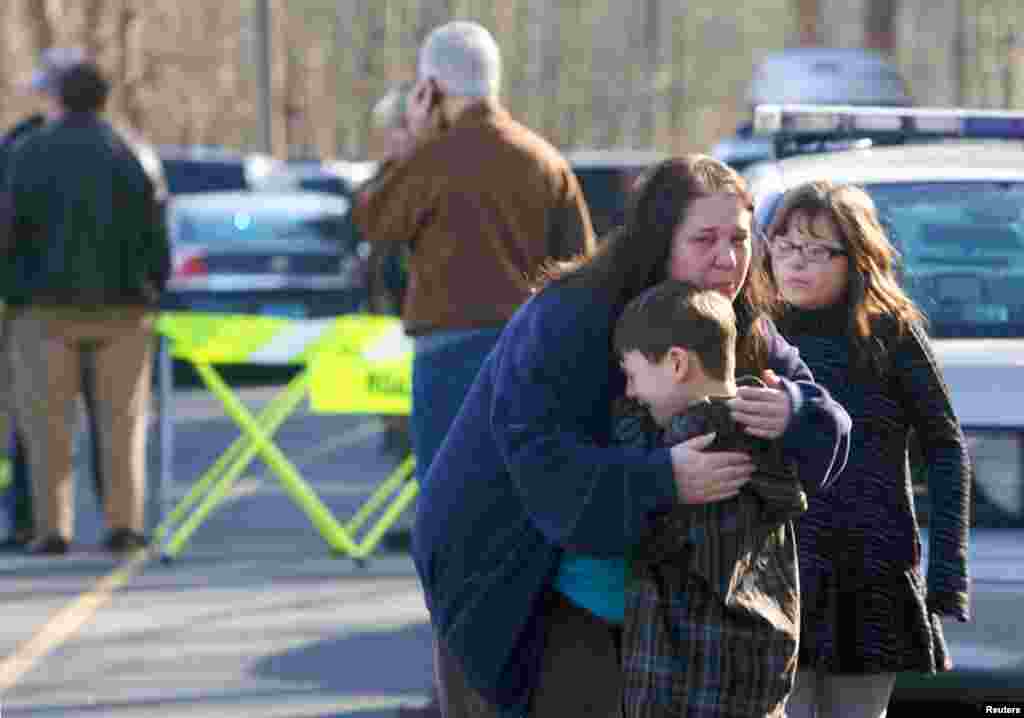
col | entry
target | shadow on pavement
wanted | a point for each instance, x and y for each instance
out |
(386, 659)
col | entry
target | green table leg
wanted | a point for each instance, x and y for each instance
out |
(296, 488)
(241, 452)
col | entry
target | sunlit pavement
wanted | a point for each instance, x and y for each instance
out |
(255, 618)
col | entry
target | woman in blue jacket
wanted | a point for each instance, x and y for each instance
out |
(528, 510)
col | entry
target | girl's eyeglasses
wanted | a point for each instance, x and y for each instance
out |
(811, 253)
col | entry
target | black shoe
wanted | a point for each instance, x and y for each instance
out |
(52, 545)
(125, 541)
(17, 541)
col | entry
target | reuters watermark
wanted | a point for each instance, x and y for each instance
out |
(1004, 709)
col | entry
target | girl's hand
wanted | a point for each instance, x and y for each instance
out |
(764, 412)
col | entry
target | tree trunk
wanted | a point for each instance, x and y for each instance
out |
(89, 31)
(127, 82)
(38, 25)
(879, 24)
(807, 13)
(345, 63)
(537, 13)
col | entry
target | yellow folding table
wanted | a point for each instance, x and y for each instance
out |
(356, 363)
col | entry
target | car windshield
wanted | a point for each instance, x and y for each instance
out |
(187, 175)
(219, 228)
(962, 248)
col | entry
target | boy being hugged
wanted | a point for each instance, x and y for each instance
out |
(712, 602)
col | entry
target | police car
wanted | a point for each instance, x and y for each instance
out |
(949, 186)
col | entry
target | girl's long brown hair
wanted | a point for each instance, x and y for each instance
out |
(634, 257)
(874, 296)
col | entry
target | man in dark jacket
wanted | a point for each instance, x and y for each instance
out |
(18, 498)
(88, 258)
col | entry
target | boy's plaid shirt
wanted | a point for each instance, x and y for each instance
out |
(712, 605)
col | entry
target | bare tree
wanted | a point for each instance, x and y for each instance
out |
(92, 12)
(537, 17)
(807, 13)
(879, 24)
(582, 72)
(38, 25)
(135, 69)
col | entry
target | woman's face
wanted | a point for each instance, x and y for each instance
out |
(712, 246)
(810, 282)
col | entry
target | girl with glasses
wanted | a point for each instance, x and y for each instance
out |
(867, 612)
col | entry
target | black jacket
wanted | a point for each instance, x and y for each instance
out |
(82, 221)
(866, 605)
(10, 140)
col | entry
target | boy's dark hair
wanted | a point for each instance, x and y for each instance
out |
(680, 314)
(83, 88)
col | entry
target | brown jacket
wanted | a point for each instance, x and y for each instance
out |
(482, 207)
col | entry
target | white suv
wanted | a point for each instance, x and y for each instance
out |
(955, 210)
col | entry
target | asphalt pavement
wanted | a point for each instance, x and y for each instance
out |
(256, 617)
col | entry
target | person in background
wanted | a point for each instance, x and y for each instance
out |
(18, 499)
(388, 263)
(481, 203)
(529, 510)
(867, 611)
(711, 590)
(89, 257)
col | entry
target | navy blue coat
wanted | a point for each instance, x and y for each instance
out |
(527, 471)
(866, 605)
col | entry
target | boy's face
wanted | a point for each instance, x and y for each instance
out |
(659, 386)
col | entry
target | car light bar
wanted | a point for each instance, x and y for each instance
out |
(851, 120)
(824, 122)
(847, 120)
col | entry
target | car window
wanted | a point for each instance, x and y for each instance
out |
(962, 248)
(997, 479)
(215, 228)
(189, 175)
(326, 183)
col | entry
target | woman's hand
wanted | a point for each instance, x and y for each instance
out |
(763, 412)
(705, 477)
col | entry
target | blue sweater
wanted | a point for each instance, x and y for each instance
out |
(528, 472)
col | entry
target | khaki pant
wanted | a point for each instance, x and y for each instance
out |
(46, 349)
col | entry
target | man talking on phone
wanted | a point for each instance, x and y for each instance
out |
(482, 203)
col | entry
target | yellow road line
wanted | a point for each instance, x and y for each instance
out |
(67, 621)
(70, 619)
